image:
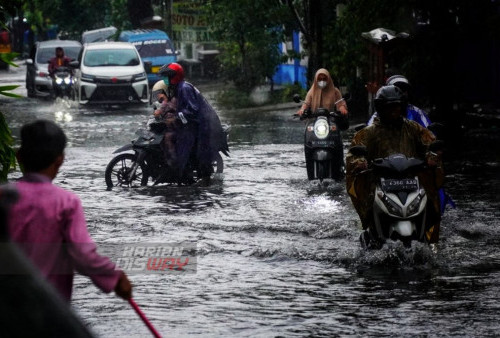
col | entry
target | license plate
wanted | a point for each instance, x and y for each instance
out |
(155, 70)
(407, 184)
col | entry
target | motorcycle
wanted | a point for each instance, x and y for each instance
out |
(323, 146)
(400, 201)
(62, 83)
(147, 165)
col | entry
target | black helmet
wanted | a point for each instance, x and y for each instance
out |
(389, 95)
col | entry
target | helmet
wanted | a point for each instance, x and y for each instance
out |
(389, 95)
(399, 81)
(173, 71)
(159, 88)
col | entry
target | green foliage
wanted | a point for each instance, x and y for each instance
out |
(249, 32)
(8, 58)
(7, 154)
(234, 99)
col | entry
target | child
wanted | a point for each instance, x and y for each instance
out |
(48, 222)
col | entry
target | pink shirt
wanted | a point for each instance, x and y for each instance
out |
(49, 225)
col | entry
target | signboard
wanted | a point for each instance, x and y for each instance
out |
(189, 23)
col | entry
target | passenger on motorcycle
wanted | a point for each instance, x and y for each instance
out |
(200, 135)
(391, 134)
(164, 120)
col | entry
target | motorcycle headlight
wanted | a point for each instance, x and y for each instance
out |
(415, 204)
(321, 128)
(391, 206)
(59, 80)
(67, 80)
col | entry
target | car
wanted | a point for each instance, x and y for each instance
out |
(154, 46)
(110, 73)
(38, 81)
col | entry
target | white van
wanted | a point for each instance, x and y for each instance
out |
(110, 73)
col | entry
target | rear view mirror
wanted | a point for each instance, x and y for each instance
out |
(74, 64)
(296, 98)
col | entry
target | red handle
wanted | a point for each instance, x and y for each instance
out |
(144, 319)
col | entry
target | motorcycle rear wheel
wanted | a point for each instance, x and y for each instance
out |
(118, 170)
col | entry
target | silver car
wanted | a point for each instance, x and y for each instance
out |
(38, 81)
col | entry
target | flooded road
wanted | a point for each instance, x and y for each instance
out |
(277, 255)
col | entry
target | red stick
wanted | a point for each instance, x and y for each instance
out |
(144, 319)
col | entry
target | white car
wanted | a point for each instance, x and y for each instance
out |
(110, 73)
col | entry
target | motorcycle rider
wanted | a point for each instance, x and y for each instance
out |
(201, 135)
(392, 133)
(413, 113)
(60, 60)
(323, 94)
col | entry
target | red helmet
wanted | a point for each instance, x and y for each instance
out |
(173, 71)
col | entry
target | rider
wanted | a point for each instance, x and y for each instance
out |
(323, 94)
(413, 113)
(201, 134)
(60, 60)
(392, 133)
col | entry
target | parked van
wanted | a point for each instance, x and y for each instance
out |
(154, 46)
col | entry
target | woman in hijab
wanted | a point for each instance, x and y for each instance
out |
(323, 94)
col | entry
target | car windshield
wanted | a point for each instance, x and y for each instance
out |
(152, 48)
(111, 57)
(45, 54)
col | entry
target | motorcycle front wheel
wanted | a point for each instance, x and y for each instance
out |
(118, 172)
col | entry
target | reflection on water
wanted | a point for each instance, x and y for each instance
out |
(278, 255)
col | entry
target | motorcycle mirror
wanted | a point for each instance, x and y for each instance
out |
(296, 98)
(358, 150)
(74, 64)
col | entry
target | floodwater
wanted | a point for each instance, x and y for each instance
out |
(277, 255)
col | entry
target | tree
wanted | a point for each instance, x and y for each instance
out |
(249, 32)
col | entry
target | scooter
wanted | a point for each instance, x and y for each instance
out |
(146, 165)
(62, 83)
(323, 143)
(400, 201)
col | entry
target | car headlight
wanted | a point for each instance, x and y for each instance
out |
(87, 77)
(321, 128)
(139, 77)
(391, 206)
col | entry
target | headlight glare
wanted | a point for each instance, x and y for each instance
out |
(321, 128)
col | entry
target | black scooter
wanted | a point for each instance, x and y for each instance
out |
(62, 83)
(323, 146)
